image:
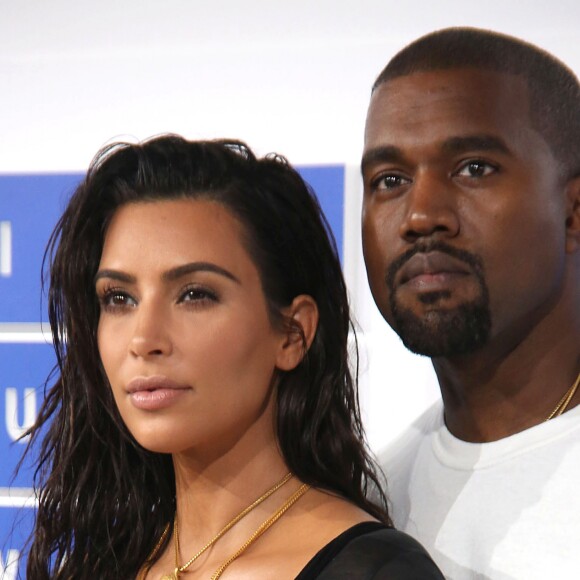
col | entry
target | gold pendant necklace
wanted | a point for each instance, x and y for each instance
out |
(178, 569)
(257, 533)
(565, 400)
(226, 528)
(263, 527)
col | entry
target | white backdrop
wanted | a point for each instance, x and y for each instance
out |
(292, 77)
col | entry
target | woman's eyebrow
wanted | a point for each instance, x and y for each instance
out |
(192, 267)
(170, 275)
(115, 275)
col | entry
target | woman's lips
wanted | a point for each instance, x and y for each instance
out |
(155, 392)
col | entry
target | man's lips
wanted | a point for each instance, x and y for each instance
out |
(431, 269)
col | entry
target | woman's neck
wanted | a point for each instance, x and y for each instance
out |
(210, 493)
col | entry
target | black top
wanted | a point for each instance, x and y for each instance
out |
(371, 551)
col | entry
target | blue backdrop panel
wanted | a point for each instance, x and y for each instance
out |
(31, 204)
(328, 183)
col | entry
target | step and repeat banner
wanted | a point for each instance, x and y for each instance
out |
(30, 206)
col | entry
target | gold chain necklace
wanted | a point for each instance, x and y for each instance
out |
(565, 400)
(226, 528)
(259, 531)
(262, 528)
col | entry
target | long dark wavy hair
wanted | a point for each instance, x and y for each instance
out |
(104, 501)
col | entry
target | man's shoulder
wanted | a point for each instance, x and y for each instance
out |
(403, 449)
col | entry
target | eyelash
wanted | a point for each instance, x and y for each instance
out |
(481, 163)
(109, 294)
(201, 295)
(389, 175)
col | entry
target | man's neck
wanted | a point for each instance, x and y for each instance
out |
(491, 395)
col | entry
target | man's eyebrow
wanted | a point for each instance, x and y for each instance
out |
(475, 142)
(392, 154)
(170, 275)
(381, 154)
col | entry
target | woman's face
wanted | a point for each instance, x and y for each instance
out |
(184, 333)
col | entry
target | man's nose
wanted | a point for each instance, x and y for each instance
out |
(431, 208)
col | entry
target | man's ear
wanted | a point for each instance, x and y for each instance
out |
(573, 215)
(300, 324)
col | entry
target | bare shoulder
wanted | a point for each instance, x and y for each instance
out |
(333, 512)
(321, 518)
(318, 519)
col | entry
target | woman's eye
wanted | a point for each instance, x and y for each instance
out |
(476, 168)
(197, 295)
(116, 299)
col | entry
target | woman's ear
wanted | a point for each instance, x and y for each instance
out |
(300, 324)
(573, 216)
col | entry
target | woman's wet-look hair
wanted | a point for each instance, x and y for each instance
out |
(103, 500)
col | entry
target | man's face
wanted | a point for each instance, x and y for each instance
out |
(463, 212)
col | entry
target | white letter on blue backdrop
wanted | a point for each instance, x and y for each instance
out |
(5, 249)
(15, 430)
(9, 568)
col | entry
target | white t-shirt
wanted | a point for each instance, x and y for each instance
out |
(507, 510)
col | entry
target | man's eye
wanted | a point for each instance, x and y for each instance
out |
(476, 168)
(389, 181)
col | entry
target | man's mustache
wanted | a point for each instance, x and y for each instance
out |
(472, 260)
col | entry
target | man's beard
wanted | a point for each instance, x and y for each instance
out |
(446, 332)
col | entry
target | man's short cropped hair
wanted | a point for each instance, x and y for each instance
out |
(554, 90)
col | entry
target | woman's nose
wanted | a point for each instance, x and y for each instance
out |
(151, 336)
